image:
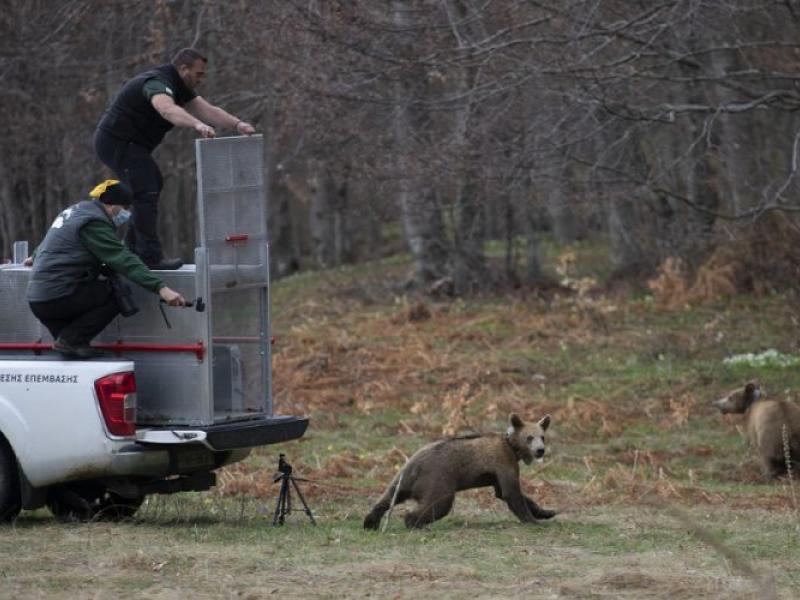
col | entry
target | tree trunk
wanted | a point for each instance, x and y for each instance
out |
(422, 221)
(532, 225)
(321, 217)
(562, 216)
(626, 250)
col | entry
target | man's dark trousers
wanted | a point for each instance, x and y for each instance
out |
(133, 164)
(77, 318)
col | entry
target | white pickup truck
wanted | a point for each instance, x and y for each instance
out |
(180, 392)
(69, 439)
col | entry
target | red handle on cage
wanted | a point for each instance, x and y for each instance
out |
(237, 237)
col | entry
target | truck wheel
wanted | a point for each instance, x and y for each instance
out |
(88, 501)
(10, 499)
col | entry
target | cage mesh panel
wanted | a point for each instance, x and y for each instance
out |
(233, 211)
(231, 163)
(168, 388)
(238, 383)
(230, 173)
(232, 203)
(17, 323)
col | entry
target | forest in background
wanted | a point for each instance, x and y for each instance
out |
(434, 126)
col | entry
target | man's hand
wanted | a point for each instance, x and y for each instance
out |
(28, 262)
(171, 297)
(206, 131)
(245, 128)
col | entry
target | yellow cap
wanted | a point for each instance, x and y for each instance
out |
(100, 188)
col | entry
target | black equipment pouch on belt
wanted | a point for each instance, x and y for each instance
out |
(123, 295)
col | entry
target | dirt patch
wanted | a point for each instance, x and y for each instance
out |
(650, 582)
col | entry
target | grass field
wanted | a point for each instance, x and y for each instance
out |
(659, 496)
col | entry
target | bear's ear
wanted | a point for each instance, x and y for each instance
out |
(544, 422)
(515, 421)
(752, 392)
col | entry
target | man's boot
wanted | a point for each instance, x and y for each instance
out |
(166, 264)
(81, 351)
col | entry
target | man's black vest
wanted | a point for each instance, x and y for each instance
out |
(62, 262)
(131, 117)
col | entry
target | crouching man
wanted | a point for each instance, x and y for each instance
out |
(65, 291)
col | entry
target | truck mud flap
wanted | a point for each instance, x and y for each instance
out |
(248, 434)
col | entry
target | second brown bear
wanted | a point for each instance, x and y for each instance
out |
(773, 427)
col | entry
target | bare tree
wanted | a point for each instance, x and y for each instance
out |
(456, 122)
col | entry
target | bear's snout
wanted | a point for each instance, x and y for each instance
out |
(539, 452)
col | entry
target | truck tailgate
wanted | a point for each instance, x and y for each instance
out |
(230, 436)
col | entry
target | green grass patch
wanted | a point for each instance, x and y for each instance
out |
(660, 496)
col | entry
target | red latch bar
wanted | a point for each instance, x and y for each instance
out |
(197, 349)
(237, 237)
(118, 347)
(35, 347)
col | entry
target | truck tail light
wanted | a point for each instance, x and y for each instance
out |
(116, 395)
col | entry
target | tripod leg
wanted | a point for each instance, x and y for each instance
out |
(303, 500)
(286, 507)
(280, 506)
(277, 506)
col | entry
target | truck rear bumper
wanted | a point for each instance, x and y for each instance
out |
(223, 444)
(247, 434)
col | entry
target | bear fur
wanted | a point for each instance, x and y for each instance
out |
(434, 474)
(765, 420)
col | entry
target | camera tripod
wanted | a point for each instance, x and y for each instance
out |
(284, 504)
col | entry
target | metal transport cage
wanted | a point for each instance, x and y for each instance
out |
(208, 367)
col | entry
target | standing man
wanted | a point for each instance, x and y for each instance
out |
(65, 291)
(144, 110)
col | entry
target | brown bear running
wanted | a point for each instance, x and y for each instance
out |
(434, 474)
(773, 426)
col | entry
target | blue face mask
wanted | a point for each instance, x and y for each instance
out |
(121, 217)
